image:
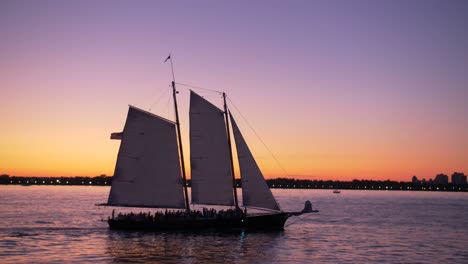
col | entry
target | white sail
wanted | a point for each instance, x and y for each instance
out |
(209, 154)
(147, 173)
(255, 191)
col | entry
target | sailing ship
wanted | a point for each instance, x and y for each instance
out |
(150, 173)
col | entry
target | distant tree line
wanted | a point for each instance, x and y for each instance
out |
(280, 183)
(77, 180)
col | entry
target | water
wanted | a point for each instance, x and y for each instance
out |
(56, 224)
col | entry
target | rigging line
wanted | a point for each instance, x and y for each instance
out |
(167, 106)
(271, 153)
(157, 100)
(195, 87)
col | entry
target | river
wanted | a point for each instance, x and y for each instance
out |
(57, 224)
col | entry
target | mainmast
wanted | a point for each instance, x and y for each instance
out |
(174, 92)
(234, 187)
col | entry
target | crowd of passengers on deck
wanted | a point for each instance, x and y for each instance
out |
(175, 214)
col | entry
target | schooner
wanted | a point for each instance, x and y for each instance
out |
(150, 173)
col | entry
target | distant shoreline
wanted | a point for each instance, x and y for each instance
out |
(279, 183)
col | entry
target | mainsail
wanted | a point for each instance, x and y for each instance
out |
(147, 173)
(255, 191)
(209, 154)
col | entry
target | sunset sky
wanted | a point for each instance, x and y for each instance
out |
(337, 90)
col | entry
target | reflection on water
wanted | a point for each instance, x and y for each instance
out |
(192, 247)
(57, 224)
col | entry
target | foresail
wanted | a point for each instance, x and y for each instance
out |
(147, 173)
(255, 191)
(209, 154)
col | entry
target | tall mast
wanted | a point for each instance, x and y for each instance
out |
(234, 187)
(174, 92)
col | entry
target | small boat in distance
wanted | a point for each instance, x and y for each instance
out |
(150, 173)
(336, 191)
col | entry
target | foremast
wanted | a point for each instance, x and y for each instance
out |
(182, 162)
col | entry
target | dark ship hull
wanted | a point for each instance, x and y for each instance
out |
(251, 222)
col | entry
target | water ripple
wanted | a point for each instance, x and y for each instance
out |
(353, 227)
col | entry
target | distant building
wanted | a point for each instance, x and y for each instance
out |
(458, 178)
(415, 180)
(441, 179)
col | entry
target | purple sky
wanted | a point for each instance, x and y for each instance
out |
(338, 89)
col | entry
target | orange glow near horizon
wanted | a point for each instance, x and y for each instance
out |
(71, 143)
(50, 155)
